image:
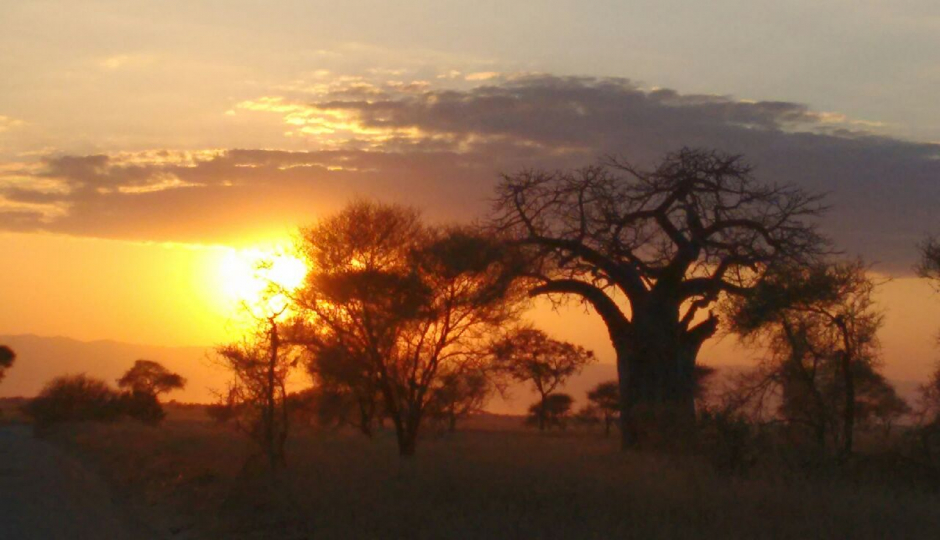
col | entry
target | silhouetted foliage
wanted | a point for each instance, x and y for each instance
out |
(80, 398)
(529, 355)
(149, 377)
(142, 406)
(346, 386)
(670, 241)
(551, 412)
(588, 416)
(406, 305)
(74, 398)
(7, 357)
(221, 412)
(460, 394)
(820, 326)
(256, 397)
(606, 398)
(929, 265)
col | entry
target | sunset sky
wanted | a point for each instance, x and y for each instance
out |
(149, 149)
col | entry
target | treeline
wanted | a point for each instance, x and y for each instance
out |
(80, 398)
(405, 322)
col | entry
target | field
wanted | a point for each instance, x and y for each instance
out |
(190, 478)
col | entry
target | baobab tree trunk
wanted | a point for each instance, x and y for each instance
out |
(656, 364)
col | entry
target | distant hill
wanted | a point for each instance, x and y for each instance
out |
(40, 358)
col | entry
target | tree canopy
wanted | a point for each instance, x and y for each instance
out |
(149, 377)
(668, 242)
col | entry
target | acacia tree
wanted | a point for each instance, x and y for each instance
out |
(7, 357)
(151, 378)
(257, 398)
(552, 411)
(415, 302)
(650, 250)
(929, 268)
(529, 355)
(460, 394)
(606, 398)
(820, 325)
(345, 383)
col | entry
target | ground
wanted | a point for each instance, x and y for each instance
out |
(47, 494)
(191, 478)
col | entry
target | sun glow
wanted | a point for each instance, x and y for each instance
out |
(260, 278)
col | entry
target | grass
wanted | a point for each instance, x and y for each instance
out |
(483, 483)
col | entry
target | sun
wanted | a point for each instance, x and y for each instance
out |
(253, 277)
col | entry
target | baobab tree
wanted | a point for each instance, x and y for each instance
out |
(531, 356)
(651, 251)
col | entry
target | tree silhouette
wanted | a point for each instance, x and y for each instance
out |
(459, 394)
(149, 377)
(7, 357)
(257, 395)
(606, 398)
(529, 355)
(346, 387)
(820, 324)
(552, 411)
(416, 303)
(929, 265)
(669, 242)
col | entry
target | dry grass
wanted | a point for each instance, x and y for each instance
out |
(479, 484)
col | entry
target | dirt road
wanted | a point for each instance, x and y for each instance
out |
(46, 494)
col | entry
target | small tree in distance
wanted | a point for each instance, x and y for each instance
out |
(529, 355)
(459, 395)
(149, 377)
(551, 412)
(606, 398)
(7, 357)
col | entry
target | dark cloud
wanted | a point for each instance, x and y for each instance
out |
(443, 150)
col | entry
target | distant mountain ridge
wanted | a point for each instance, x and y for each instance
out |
(40, 358)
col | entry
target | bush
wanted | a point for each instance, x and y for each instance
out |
(74, 398)
(80, 398)
(142, 406)
(728, 440)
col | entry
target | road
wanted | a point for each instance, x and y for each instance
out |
(49, 495)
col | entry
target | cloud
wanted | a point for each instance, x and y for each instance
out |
(443, 148)
(7, 123)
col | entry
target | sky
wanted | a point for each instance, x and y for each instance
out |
(144, 145)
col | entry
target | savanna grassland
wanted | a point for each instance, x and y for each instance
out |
(192, 478)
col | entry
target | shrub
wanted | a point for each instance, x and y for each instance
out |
(553, 411)
(80, 398)
(142, 406)
(727, 439)
(74, 398)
